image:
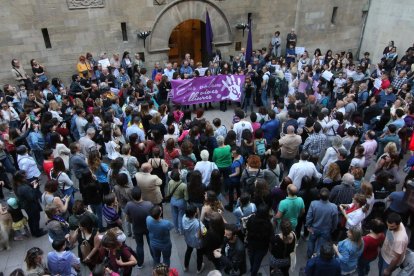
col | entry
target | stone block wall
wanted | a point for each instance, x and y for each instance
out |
(74, 32)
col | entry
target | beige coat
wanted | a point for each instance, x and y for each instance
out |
(150, 187)
(289, 146)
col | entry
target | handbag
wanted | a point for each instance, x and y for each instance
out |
(200, 235)
(293, 255)
(167, 198)
(85, 247)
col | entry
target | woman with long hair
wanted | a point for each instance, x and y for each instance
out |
(118, 250)
(179, 196)
(49, 197)
(59, 149)
(214, 237)
(116, 168)
(99, 169)
(308, 192)
(261, 194)
(159, 167)
(349, 250)
(211, 205)
(59, 173)
(195, 190)
(281, 245)
(332, 176)
(170, 152)
(34, 262)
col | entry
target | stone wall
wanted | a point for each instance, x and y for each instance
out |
(75, 31)
(388, 20)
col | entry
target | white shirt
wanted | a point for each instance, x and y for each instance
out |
(28, 164)
(205, 168)
(301, 169)
(111, 147)
(239, 127)
(354, 218)
(169, 73)
(80, 125)
(135, 129)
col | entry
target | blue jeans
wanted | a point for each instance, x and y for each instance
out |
(139, 240)
(363, 266)
(166, 254)
(97, 210)
(263, 97)
(382, 265)
(246, 103)
(177, 210)
(315, 240)
(225, 172)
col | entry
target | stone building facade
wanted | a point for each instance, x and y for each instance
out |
(75, 27)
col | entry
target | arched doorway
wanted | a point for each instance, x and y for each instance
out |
(188, 37)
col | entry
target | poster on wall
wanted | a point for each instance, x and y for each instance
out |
(207, 89)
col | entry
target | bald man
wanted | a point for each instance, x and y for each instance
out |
(289, 147)
(149, 184)
(292, 207)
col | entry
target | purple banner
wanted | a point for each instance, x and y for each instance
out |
(207, 89)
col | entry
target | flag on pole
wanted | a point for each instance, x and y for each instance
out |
(209, 36)
(249, 47)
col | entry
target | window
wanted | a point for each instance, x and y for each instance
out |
(124, 32)
(46, 38)
(334, 12)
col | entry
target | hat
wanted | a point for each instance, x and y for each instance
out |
(12, 202)
(348, 179)
(21, 149)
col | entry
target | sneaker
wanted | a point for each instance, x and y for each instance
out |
(140, 266)
(201, 269)
(185, 269)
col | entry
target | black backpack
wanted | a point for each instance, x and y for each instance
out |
(248, 183)
(284, 87)
(271, 84)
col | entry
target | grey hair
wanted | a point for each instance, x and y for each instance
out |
(220, 140)
(90, 131)
(337, 142)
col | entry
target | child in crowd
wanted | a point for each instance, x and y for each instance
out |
(19, 221)
(110, 211)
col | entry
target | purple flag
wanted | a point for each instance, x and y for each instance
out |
(209, 35)
(207, 89)
(249, 47)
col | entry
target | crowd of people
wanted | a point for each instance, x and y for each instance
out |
(115, 151)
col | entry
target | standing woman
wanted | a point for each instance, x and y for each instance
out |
(349, 250)
(170, 152)
(59, 174)
(195, 190)
(214, 237)
(100, 170)
(83, 68)
(34, 262)
(179, 196)
(126, 63)
(119, 256)
(159, 167)
(28, 196)
(223, 160)
(281, 245)
(211, 205)
(87, 232)
(59, 149)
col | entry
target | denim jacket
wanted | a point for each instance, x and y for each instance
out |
(349, 254)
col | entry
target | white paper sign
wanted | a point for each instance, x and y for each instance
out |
(327, 75)
(299, 50)
(104, 62)
(115, 91)
(377, 83)
(202, 71)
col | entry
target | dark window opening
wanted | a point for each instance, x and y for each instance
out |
(334, 12)
(46, 38)
(124, 32)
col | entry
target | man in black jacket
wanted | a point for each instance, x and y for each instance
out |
(232, 256)
(371, 112)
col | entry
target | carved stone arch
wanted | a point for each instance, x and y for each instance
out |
(180, 11)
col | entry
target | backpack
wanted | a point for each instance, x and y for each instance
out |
(260, 147)
(341, 130)
(284, 87)
(248, 183)
(271, 84)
